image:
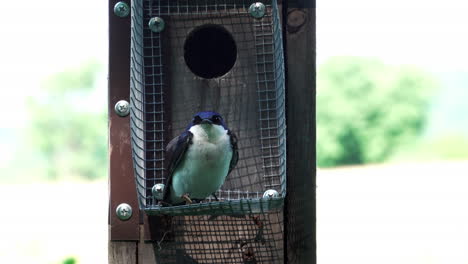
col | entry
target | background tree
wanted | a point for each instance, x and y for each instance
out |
(68, 124)
(366, 109)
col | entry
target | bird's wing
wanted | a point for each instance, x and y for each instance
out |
(235, 152)
(175, 150)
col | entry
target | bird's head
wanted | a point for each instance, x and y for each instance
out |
(211, 123)
(208, 119)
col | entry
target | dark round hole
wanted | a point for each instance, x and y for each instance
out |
(210, 51)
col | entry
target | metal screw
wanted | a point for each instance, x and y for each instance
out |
(257, 10)
(122, 108)
(121, 9)
(124, 211)
(156, 24)
(158, 191)
(270, 194)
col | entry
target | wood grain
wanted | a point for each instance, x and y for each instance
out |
(121, 252)
(300, 204)
(146, 254)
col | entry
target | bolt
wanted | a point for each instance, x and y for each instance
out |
(257, 10)
(122, 108)
(121, 9)
(158, 191)
(124, 211)
(156, 24)
(270, 194)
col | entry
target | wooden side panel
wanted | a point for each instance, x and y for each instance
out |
(300, 218)
(121, 180)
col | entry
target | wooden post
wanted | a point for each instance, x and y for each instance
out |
(300, 223)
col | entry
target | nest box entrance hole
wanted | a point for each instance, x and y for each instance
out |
(210, 51)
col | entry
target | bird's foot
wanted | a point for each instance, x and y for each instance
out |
(214, 195)
(186, 198)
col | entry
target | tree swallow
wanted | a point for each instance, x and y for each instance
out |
(199, 159)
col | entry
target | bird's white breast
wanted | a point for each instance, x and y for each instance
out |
(205, 165)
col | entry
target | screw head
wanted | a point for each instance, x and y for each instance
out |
(122, 108)
(156, 24)
(158, 191)
(257, 10)
(124, 211)
(121, 9)
(270, 194)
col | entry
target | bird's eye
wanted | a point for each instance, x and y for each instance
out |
(216, 119)
(197, 120)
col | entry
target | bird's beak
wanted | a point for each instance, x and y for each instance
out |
(206, 121)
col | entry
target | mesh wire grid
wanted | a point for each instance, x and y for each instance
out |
(165, 94)
(226, 239)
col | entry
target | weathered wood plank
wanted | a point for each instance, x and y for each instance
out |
(300, 223)
(129, 252)
(146, 254)
(122, 252)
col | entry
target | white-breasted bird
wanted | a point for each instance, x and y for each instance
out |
(199, 159)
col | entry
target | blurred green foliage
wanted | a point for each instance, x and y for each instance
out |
(449, 146)
(366, 109)
(67, 129)
(69, 260)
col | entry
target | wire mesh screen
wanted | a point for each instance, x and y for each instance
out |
(166, 92)
(248, 239)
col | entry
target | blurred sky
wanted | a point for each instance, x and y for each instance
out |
(40, 38)
(430, 34)
(43, 37)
